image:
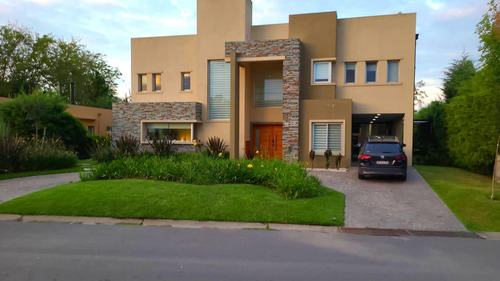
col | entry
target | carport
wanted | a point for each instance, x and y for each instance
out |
(375, 124)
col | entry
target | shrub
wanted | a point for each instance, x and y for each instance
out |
(41, 113)
(45, 154)
(128, 145)
(216, 146)
(10, 150)
(290, 180)
(106, 153)
(162, 146)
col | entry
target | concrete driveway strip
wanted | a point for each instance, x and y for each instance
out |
(389, 203)
(13, 188)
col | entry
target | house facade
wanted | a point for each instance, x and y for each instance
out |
(315, 83)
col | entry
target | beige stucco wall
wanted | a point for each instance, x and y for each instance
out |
(336, 110)
(270, 32)
(379, 38)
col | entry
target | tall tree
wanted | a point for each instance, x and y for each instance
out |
(459, 71)
(419, 95)
(29, 61)
(473, 116)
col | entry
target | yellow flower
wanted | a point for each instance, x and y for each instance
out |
(307, 163)
(220, 154)
(275, 169)
(250, 166)
(238, 164)
(257, 152)
(262, 166)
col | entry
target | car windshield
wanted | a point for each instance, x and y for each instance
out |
(382, 148)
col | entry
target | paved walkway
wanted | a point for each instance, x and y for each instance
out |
(13, 188)
(391, 204)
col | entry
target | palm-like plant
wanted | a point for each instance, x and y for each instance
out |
(216, 145)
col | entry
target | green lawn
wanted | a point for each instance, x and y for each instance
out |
(467, 195)
(82, 164)
(171, 200)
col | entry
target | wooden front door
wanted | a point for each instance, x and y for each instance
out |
(268, 140)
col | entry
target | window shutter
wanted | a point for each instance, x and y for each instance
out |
(268, 90)
(322, 72)
(320, 137)
(219, 90)
(335, 137)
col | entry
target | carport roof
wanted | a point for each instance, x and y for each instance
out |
(382, 118)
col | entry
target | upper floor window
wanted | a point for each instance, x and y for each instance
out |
(371, 72)
(392, 71)
(269, 90)
(156, 82)
(322, 72)
(143, 82)
(219, 90)
(186, 81)
(350, 72)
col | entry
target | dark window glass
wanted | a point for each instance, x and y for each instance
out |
(186, 81)
(371, 72)
(382, 148)
(350, 72)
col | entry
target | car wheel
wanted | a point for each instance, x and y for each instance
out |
(403, 178)
(361, 177)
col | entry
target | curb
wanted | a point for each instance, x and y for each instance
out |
(250, 226)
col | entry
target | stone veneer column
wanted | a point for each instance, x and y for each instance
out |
(290, 49)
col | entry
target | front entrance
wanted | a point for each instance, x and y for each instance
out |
(268, 140)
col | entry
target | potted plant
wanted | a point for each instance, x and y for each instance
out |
(328, 154)
(312, 154)
(338, 159)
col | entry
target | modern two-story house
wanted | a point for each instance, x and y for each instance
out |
(315, 83)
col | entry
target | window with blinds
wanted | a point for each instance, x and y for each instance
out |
(268, 90)
(323, 72)
(327, 136)
(219, 90)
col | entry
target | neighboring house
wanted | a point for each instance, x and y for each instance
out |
(97, 121)
(317, 82)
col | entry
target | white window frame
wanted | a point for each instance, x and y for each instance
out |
(342, 138)
(355, 71)
(143, 122)
(331, 62)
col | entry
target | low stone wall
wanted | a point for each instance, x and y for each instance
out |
(127, 117)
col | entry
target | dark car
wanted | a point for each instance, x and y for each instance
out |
(382, 156)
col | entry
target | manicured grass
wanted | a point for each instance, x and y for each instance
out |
(467, 195)
(133, 198)
(82, 164)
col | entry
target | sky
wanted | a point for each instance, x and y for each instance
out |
(446, 27)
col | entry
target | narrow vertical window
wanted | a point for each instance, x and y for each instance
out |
(392, 71)
(156, 82)
(350, 72)
(219, 90)
(371, 72)
(322, 72)
(143, 82)
(186, 81)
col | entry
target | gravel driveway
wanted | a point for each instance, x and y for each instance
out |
(387, 203)
(10, 189)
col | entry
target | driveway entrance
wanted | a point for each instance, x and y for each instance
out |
(387, 203)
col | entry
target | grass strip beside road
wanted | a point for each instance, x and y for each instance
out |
(134, 198)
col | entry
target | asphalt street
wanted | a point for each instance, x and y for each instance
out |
(53, 251)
